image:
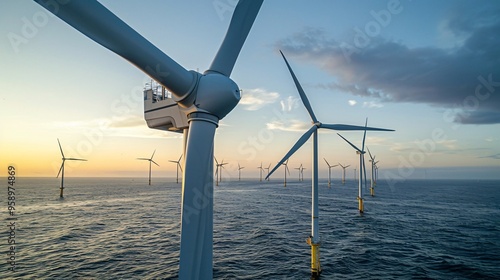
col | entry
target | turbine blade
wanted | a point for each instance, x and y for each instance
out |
(155, 162)
(352, 145)
(326, 162)
(153, 154)
(347, 166)
(105, 28)
(352, 127)
(180, 158)
(80, 159)
(60, 169)
(295, 147)
(173, 161)
(216, 160)
(369, 153)
(143, 158)
(180, 166)
(243, 17)
(364, 136)
(302, 94)
(60, 147)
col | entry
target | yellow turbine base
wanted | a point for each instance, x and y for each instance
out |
(61, 193)
(360, 205)
(315, 259)
(372, 191)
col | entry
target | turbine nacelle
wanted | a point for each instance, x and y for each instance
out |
(217, 94)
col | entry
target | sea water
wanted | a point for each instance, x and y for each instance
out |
(121, 228)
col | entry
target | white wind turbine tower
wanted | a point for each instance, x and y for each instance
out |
(329, 172)
(372, 175)
(239, 171)
(343, 172)
(150, 161)
(61, 170)
(260, 170)
(178, 162)
(314, 239)
(362, 169)
(197, 104)
(286, 170)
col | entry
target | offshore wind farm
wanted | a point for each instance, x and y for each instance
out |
(128, 74)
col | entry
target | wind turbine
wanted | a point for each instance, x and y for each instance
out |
(329, 172)
(61, 170)
(178, 162)
(286, 170)
(372, 175)
(261, 169)
(314, 240)
(239, 171)
(362, 168)
(343, 172)
(299, 169)
(199, 100)
(218, 171)
(302, 172)
(150, 161)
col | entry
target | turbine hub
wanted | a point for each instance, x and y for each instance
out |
(217, 94)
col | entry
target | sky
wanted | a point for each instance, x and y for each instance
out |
(429, 70)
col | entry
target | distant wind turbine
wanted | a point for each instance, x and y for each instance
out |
(61, 170)
(150, 161)
(362, 169)
(218, 171)
(178, 162)
(329, 172)
(261, 169)
(239, 171)
(314, 240)
(343, 172)
(300, 170)
(372, 177)
(286, 169)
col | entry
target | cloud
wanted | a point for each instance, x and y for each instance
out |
(494, 156)
(352, 102)
(372, 104)
(132, 126)
(289, 104)
(464, 76)
(254, 99)
(291, 125)
(127, 121)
